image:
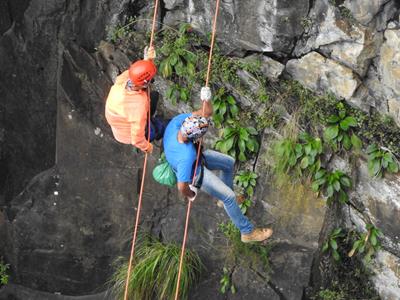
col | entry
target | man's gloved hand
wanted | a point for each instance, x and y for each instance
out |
(149, 149)
(205, 93)
(194, 190)
(149, 53)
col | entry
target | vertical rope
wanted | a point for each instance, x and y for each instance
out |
(198, 156)
(139, 207)
(153, 27)
(214, 29)
(144, 171)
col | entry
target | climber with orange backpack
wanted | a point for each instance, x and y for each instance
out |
(128, 104)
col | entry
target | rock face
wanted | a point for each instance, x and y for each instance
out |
(358, 36)
(323, 74)
(379, 200)
(263, 26)
(383, 81)
(68, 191)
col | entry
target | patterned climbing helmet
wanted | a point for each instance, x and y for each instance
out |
(194, 127)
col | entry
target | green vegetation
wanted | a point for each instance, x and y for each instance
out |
(179, 64)
(246, 180)
(332, 244)
(121, 32)
(306, 23)
(302, 155)
(349, 279)
(367, 243)
(327, 294)
(226, 284)
(225, 107)
(381, 160)
(332, 184)
(338, 133)
(314, 110)
(4, 277)
(155, 271)
(238, 141)
(345, 13)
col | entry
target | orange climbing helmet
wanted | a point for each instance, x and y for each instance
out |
(141, 72)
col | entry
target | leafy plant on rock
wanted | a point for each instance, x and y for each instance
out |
(246, 180)
(176, 92)
(332, 184)
(367, 242)
(286, 155)
(119, 32)
(179, 63)
(238, 141)
(3, 272)
(224, 106)
(226, 283)
(327, 294)
(332, 244)
(381, 160)
(244, 206)
(304, 154)
(338, 132)
(308, 152)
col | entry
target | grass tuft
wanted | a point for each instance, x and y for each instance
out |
(155, 272)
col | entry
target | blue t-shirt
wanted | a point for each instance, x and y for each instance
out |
(181, 156)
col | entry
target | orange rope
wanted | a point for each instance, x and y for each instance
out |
(153, 27)
(143, 175)
(198, 155)
(212, 44)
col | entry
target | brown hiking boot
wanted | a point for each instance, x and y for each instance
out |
(240, 199)
(257, 235)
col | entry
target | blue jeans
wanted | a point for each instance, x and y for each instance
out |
(221, 187)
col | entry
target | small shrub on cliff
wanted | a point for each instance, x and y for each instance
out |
(381, 160)
(178, 62)
(155, 271)
(328, 294)
(226, 282)
(238, 141)
(121, 32)
(225, 107)
(246, 180)
(3, 272)
(367, 243)
(332, 244)
(298, 157)
(339, 133)
(332, 184)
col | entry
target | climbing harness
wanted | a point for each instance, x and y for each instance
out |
(198, 153)
(144, 169)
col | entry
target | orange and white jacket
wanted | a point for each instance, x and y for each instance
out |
(126, 112)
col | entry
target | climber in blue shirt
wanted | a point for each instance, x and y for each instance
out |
(180, 145)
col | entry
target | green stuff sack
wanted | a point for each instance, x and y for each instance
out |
(164, 174)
